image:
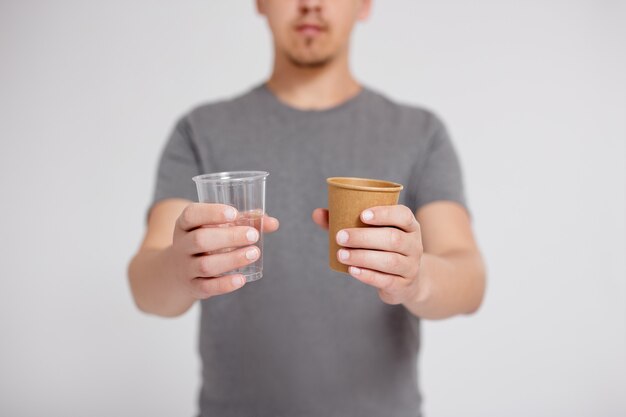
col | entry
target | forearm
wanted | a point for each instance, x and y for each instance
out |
(153, 285)
(448, 285)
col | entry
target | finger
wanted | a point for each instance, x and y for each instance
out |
(377, 279)
(270, 224)
(218, 263)
(320, 217)
(199, 214)
(388, 262)
(207, 287)
(208, 239)
(388, 239)
(398, 215)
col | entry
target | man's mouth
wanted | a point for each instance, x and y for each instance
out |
(309, 29)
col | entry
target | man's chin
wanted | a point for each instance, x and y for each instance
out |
(309, 62)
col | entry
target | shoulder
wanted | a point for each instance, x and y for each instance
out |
(225, 110)
(416, 117)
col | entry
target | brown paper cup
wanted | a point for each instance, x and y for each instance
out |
(347, 198)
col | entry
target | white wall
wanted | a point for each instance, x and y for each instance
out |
(533, 92)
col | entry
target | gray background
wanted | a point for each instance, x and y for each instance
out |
(534, 95)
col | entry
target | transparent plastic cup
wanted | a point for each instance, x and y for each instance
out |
(244, 190)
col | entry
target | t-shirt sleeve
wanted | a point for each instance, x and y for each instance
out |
(440, 177)
(178, 163)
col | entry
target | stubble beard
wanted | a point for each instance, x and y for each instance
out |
(312, 62)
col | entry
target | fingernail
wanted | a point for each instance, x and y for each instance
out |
(251, 254)
(252, 235)
(342, 236)
(368, 215)
(354, 270)
(343, 254)
(230, 213)
(238, 281)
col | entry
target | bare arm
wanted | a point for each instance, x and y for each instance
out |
(171, 269)
(150, 271)
(453, 274)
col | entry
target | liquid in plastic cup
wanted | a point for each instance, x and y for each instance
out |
(244, 190)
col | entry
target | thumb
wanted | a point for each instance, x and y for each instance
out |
(320, 217)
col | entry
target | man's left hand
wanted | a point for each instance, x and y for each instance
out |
(386, 257)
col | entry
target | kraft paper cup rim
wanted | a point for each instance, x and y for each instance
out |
(391, 187)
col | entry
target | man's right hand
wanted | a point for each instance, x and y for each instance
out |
(183, 251)
(201, 233)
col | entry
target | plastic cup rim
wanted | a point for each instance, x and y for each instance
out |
(216, 177)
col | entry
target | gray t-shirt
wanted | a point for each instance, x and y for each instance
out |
(305, 340)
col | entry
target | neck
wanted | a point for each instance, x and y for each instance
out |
(315, 88)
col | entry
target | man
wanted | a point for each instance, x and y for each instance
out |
(305, 340)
